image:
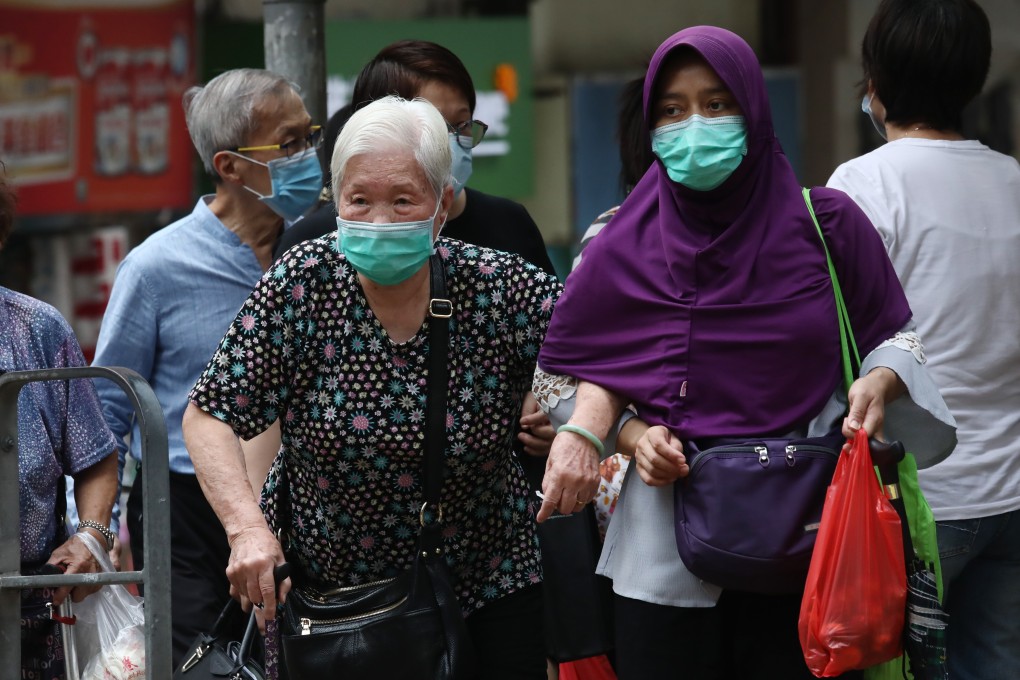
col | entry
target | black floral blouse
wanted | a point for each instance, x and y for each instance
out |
(307, 349)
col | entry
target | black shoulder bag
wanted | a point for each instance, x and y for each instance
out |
(409, 627)
(217, 655)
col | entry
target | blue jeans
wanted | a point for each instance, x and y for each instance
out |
(981, 576)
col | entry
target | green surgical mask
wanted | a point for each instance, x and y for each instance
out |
(701, 153)
(386, 253)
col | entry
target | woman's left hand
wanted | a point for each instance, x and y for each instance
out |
(660, 458)
(868, 397)
(74, 557)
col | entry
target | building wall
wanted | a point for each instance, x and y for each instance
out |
(591, 36)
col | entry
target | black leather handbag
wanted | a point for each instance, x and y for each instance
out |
(406, 628)
(214, 656)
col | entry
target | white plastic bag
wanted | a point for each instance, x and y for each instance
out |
(110, 631)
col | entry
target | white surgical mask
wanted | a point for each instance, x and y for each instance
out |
(461, 164)
(866, 108)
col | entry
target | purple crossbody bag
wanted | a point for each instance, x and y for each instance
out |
(747, 514)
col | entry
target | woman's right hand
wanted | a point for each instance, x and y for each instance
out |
(660, 457)
(254, 553)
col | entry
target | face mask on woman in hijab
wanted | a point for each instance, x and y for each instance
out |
(699, 130)
(701, 153)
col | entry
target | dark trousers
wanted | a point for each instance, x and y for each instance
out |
(508, 637)
(198, 560)
(746, 636)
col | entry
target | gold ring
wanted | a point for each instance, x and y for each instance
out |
(580, 503)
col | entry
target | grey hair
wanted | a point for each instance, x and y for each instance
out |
(394, 123)
(222, 114)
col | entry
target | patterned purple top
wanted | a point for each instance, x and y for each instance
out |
(60, 424)
(306, 347)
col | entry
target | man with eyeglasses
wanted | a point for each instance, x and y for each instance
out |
(175, 295)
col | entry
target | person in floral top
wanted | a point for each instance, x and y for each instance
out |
(60, 432)
(334, 342)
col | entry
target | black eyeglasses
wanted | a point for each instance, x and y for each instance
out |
(313, 140)
(469, 133)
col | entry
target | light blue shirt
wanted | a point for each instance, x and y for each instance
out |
(172, 301)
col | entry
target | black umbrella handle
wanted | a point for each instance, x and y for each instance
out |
(887, 455)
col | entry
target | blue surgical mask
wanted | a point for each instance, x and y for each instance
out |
(701, 153)
(866, 108)
(296, 183)
(386, 253)
(461, 164)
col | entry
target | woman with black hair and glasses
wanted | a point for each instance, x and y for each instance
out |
(418, 68)
(948, 211)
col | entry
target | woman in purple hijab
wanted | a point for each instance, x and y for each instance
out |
(707, 306)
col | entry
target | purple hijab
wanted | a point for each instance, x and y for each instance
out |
(713, 312)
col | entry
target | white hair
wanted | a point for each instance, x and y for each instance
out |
(222, 114)
(394, 123)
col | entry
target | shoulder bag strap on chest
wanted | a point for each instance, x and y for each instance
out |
(434, 463)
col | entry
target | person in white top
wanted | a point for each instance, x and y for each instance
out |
(948, 210)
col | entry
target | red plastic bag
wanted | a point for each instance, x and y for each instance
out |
(589, 668)
(855, 599)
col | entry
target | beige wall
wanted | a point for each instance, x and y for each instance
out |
(589, 36)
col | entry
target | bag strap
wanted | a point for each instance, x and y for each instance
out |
(434, 463)
(851, 363)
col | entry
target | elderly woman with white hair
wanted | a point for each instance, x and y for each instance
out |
(334, 341)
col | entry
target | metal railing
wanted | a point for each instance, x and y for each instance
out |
(155, 574)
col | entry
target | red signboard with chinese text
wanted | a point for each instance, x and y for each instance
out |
(90, 104)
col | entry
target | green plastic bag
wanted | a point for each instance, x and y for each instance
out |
(922, 533)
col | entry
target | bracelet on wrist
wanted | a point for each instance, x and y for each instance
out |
(103, 530)
(578, 430)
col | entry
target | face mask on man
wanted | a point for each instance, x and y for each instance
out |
(701, 153)
(387, 253)
(296, 183)
(866, 108)
(461, 164)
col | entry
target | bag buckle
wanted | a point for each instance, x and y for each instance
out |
(421, 513)
(194, 658)
(440, 308)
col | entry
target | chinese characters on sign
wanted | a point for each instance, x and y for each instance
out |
(90, 105)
